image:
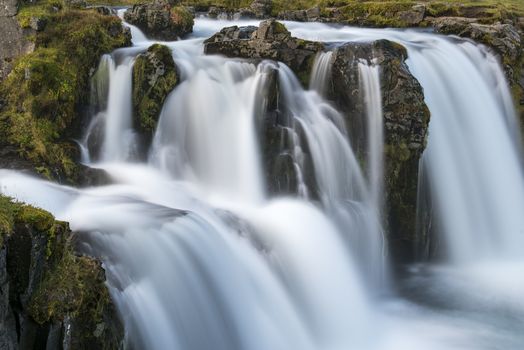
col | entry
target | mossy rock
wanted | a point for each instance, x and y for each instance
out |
(154, 77)
(45, 91)
(49, 285)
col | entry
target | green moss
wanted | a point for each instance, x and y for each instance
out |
(46, 87)
(150, 90)
(279, 28)
(182, 18)
(13, 213)
(7, 222)
(74, 287)
(42, 9)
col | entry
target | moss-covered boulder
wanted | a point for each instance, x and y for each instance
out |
(154, 77)
(406, 120)
(271, 40)
(44, 93)
(161, 20)
(49, 296)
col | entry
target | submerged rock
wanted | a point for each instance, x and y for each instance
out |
(154, 77)
(161, 20)
(406, 119)
(271, 40)
(49, 296)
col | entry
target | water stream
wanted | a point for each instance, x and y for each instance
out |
(199, 256)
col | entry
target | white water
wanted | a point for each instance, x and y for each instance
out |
(198, 256)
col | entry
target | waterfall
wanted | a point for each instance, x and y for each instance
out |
(199, 256)
(321, 72)
(370, 86)
(473, 164)
(118, 132)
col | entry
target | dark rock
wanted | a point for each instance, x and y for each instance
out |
(293, 15)
(154, 77)
(406, 119)
(270, 41)
(313, 14)
(49, 296)
(161, 20)
(104, 10)
(414, 16)
(244, 14)
(37, 24)
(503, 38)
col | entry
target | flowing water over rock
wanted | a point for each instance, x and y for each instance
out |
(200, 256)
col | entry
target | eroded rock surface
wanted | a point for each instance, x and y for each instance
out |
(271, 40)
(161, 19)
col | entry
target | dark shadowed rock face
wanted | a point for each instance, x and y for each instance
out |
(161, 20)
(269, 41)
(50, 298)
(406, 119)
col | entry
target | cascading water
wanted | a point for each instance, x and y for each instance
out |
(198, 256)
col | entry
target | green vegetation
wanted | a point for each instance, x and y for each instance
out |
(68, 285)
(73, 287)
(182, 18)
(46, 87)
(384, 12)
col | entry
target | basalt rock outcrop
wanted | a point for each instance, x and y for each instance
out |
(406, 119)
(154, 77)
(161, 19)
(271, 40)
(50, 297)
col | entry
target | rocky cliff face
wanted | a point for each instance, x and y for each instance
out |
(13, 41)
(406, 116)
(50, 298)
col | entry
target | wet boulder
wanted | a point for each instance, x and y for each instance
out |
(161, 20)
(154, 77)
(406, 120)
(271, 40)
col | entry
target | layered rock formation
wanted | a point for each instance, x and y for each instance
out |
(161, 19)
(269, 41)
